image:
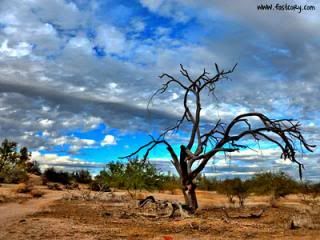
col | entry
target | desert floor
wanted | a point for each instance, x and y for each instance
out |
(86, 215)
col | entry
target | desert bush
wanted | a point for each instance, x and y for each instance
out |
(13, 175)
(207, 184)
(113, 175)
(13, 162)
(24, 188)
(133, 176)
(141, 175)
(82, 176)
(33, 167)
(312, 189)
(278, 184)
(99, 186)
(53, 175)
(72, 186)
(170, 183)
(35, 193)
(54, 186)
(235, 188)
(3, 198)
(316, 188)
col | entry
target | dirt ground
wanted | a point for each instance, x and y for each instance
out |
(115, 216)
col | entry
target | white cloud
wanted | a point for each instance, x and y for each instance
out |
(138, 25)
(60, 140)
(80, 45)
(20, 50)
(46, 123)
(74, 143)
(153, 5)
(172, 9)
(63, 162)
(112, 85)
(108, 140)
(113, 40)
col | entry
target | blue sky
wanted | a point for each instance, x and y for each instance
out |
(76, 76)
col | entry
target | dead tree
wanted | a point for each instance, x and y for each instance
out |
(205, 142)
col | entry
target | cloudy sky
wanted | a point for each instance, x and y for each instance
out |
(76, 75)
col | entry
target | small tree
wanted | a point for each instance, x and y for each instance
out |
(59, 176)
(235, 188)
(141, 175)
(206, 139)
(133, 176)
(113, 175)
(82, 176)
(33, 167)
(13, 162)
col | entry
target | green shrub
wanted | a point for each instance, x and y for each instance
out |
(235, 188)
(24, 188)
(278, 184)
(169, 183)
(35, 193)
(53, 175)
(82, 176)
(99, 186)
(207, 184)
(13, 162)
(14, 175)
(54, 186)
(133, 176)
(33, 167)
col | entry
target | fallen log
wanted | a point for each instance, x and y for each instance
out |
(163, 209)
(148, 199)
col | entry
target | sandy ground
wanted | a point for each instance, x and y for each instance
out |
(116, 217)
(22, 205)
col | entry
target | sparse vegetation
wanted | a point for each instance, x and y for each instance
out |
(13, 162)
(82, 176)
(58, 176)
(33, 167)
(170, 183)
(205, 183)
(99, 186)
(277, 184)
(54, 186)
(24, 188)
(35, 193)
(235, 188)
(134, 176)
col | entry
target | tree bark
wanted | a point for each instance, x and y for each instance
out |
(191, 197)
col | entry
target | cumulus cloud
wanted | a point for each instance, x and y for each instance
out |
(20, 50)
(63, 162)
(111, 39)
(108, 140)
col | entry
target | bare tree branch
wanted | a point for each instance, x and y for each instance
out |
(204, 142)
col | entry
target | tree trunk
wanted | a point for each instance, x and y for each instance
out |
(190, 197)
(189, 187)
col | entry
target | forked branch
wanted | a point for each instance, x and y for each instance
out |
(205, 142)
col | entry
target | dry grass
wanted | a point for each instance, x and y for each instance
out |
(113, 216)
(23, 188)
(35, 193)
